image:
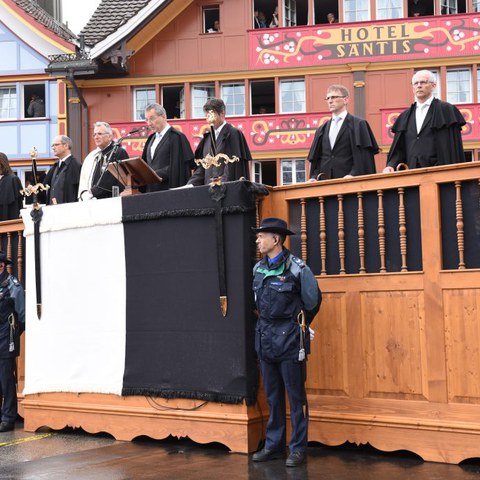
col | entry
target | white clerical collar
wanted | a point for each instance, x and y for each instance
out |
(219, 129)
(165, 130)
(427, 102)
(341, 115)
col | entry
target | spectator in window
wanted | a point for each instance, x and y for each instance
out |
(256, 21)
(215, 28)
(274, 22)
(36, 107)
(344, 146)
(429, 132)
(416, 8)
(11, 201)
(331, 18)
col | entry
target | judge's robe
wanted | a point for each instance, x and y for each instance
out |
(442, 127)
(172, 160)
(232, 143)
(363, 147)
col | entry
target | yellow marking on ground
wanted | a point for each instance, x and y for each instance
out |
(26, 439)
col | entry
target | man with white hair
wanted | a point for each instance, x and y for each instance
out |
(429, 132)
(95, 180)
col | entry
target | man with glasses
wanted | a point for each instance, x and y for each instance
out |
(64, 176)
(429, 132)
(167, 151)
(95, 180)
(344, 146)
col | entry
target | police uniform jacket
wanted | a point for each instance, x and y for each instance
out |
(281, 291)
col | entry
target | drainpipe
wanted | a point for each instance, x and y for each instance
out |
(78, 92)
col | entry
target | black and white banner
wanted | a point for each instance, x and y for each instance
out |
(130, 298)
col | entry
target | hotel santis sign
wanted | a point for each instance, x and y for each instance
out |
(395, 40)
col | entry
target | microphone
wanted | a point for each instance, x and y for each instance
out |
(135, 130)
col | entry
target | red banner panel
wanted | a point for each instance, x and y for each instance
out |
(392, 40)
(263, 132)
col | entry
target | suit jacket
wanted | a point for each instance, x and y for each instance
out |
(352, 154)
(70, 178)
(172, 160)
(439, 142)
(231, 142)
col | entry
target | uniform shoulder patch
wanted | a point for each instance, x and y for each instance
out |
(298, 261)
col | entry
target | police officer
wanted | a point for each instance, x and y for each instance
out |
(12, 324)
(285, 292)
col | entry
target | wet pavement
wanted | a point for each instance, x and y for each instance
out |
(76, 455)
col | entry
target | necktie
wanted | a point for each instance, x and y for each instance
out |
(334, 128)
(156, 141)
(421, 114)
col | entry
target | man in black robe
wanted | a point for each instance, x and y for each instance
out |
(429, 132)
(167, 151)
(64, 176)
(229, 141)
(344, 146)
(95, 180)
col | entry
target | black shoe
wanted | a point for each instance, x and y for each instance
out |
(295, 459)
(6, 427)
(265, 455)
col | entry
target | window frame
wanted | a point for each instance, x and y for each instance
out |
(457, 92)
(294, 170)
(281, 102)
(135, 102)
(192, 91)
(15, 101)
(224, 96)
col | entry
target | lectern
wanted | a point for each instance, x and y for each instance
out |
(133, 173)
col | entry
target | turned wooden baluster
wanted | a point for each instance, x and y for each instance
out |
(323, 236)
(381, 231)
(361, 233)
(402, 228)
(459, 218)
(20, 257)
(9, 251)
(303, 230)
(341, 234)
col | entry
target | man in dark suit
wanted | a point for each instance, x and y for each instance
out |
(344, 146)
(429, 132)
(228, 141)
(64, 176)
(167, 151)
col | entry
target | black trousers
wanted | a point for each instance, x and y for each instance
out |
(8, 390)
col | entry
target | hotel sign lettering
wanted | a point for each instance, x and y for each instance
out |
(395, 40)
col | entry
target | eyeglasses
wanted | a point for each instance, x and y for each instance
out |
(57, 144)
(421, 83)
(333, 97)
(96, 134)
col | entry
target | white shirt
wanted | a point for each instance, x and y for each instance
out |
(219, 129)
(157, 139)
(333, 134)
(421, 112)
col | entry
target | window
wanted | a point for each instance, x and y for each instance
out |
(141, 98)
(8, 102)
(290, 13)
(262, 94)
(476, 5)
(257, 172)
(292, 96)
(459, 88)
(211, 19)
(448, 7)
(293, 171)
(200, 95)
(233, 94)
(173, 101)
(323, 8)
(389, 9)
(356, 10)
(34, 100)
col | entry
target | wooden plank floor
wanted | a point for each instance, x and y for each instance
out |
(76, 455)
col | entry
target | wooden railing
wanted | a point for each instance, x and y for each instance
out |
(11, 234)
(395, 362)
